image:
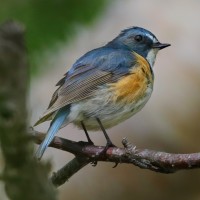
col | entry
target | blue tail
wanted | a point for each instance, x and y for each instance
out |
(53, 129)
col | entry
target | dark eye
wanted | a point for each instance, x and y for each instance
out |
(138, 38)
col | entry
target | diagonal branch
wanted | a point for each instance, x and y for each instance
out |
(62, 175)
(144, 158)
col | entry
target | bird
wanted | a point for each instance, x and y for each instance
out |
(105, 86)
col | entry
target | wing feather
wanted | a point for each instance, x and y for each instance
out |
(73, 92)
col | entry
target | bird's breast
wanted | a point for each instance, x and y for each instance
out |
(133, 86)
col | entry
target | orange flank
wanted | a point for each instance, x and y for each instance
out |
(133, 87)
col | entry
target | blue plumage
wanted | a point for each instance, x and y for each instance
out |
(105, 59)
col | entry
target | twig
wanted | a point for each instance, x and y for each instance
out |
(61, 176)
(144, 158)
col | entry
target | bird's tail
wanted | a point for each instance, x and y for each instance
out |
(56, 124)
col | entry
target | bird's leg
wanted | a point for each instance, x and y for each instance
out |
(86, 133)
(109, 143)
(94, 162)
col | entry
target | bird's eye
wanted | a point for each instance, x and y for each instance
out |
(138, 38)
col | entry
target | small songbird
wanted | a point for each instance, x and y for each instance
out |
(105, 86)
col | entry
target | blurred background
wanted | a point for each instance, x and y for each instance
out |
(59, 32)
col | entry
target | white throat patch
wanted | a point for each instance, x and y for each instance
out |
(151, 56)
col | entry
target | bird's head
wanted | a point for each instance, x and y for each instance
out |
(140, 41)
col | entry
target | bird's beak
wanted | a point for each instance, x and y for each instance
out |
(160, 46)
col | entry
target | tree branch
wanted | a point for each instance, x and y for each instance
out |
(144, 158)
(62, 175)
(24, 177)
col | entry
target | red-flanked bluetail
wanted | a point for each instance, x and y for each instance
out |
(105, 86)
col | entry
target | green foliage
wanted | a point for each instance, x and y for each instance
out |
(48, 21)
